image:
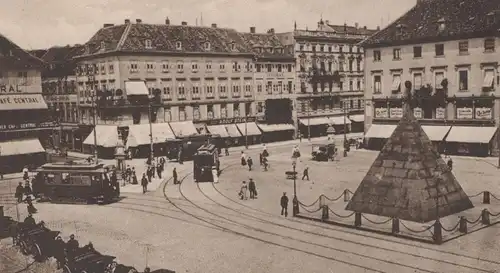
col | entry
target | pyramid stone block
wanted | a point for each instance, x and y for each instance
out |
(409, 180)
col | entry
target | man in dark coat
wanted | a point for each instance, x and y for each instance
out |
(252, 189)
(159, 170)
(284, 204)
(29, 220)
(19, 192)
(149, 173)
(144, 183)
(72, 246)
(250, 163)
(305, 174)
(174, 175)
(58, 251)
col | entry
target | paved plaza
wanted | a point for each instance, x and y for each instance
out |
(206, 228)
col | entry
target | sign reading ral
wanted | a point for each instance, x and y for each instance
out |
(10, 88)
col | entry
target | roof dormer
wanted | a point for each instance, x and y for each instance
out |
(148, 44)
(441, 24)
(401, 29)
(178, 45)
(206, 45)
(232, 46)
(103, 46)
(493, 17)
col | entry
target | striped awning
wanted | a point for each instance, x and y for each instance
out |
(21, 147)
(218, 130)
(107, 136)
(250, 129)
(276, 127)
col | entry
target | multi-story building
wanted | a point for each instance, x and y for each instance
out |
(59, 82)
(329, 75)
(446, 52)
(199, 74)
(25, 124)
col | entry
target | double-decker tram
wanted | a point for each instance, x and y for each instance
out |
(206, 163)
(76, 183)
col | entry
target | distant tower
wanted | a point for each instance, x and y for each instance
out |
(295, 25)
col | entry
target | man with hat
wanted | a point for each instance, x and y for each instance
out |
(252, 189)
(58, 249)
(71, 246)
(19, 192)
(284, 204)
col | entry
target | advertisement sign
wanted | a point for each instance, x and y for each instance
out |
(381, 113)
(464, 113)
(484, 113)
(230, 120)
(417, 112)
(61, 98)
(440, 113)
(31, 125)
(396, 112)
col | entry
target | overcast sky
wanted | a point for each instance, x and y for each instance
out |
(44, 23)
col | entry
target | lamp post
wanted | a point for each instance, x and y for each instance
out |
(295, 201)
(150, 115)
(93, 98)
(246, 131)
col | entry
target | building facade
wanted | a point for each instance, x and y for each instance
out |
(25, 123)
(329, 74)
(451, 70)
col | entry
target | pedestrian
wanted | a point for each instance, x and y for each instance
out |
(300, 137)
(243, 159)
(159, 170)
(134, 178)
(29, 220)
(174, 175)
(72, 246)
(58, 251)
(250, 163)
(179, 156)
(144, 183)
(450, 163)
(252, 189)
(243, 191)
(284, 205)
(19, 192)
(305, 173)
(264, 151)
(153, 169)
(25, 173)
(31, 209)
(149, 173)
(226, 151)
(260, 159)
(264, 162)
(27, 189)
(128, 173)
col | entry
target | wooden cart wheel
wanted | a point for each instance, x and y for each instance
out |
(24, 247)
(66, 269)
(36, 252)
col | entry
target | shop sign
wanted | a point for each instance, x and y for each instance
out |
(464, 113)
(381, 113)
(440, 113)
(396, 112)
(417, 112)
(10, 88)
(230, 120)
(32, 125)
(484, 113)
(61, 98)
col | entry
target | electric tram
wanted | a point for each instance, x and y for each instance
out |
(206, 163)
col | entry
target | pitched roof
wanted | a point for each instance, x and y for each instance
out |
(58, 54)
(109, 35)
(462, 19)
(401, 182)
(260, 43)
(14, 57)
(346, 29)
(37, 52)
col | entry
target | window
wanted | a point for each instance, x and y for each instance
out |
(377, 84)
(196, 112)
(223, 110)
(351, 85)
(235, 66)
(209, 66)
(358, 65)
(233, 46)
(209, 89)
(463, 80)
(290, 87)
(341, 48)
(103, 45)
(236, 110)
(269, 68)
(181, 91)
(269, 86)
(134, 68)
(489, 80)
(438, 79)
(341, 86)
(439, 48)
(180, 66)
(165, 67)
(330, 49)
(207, 46)
(489, 44)
(23, 77)
(167, 92)
(178, 45)
(182, 113)
(259, 87)
(260, 107)
(236, 89)
(301, 47)
(396, 54)
(248, 89)
(396, 83)
(148, 44)
(289, 67)
(358, 85)
(258, 68)
(417, 52)
(222, 67)
(417, 81)
(210, 111)
(321, 48)
(463, 47)
(222, 90)
(111, 69)
(102, 68)
(280, 68)
(150, 67)
(350, 49)
(194, 67)
(196, 90)
(377, 56)
(279, 86)
(313, 48)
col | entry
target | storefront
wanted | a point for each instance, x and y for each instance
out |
(139, 140)
(377, 135)
(228, 133)
(437, 135)
(358, 123)
(315, 126)
(250, 133)
(341, 124)
(16, 154)
(470, 140)
(276, 132)
(183, 129)
(107, 141)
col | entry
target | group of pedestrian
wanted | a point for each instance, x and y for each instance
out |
(131, 175)
(151, 171)
(25, 193)
(251, 188)
(263, 161)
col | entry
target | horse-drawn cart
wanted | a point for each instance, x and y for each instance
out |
(35, 240)
(87, 260)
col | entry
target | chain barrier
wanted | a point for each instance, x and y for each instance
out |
(494, 214)
(314, 203)
(310, 211)
(452, 229)
(375, 222)
(349, 191)
(475, 195)
(473, 222)
(341, 216)
(496, 198)
(334, 199)
(416, 231)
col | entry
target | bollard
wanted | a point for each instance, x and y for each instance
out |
(346, 195)
(1, 212)
(321, 201)
(295, 206)
(324, 215)
(462, 227)
(486, 197)
(395, 225)
(485, 217)
(345, 153)
(438, 234)
(357, 219)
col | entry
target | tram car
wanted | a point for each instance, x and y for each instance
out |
(77, 183)
(323, 152)
(87, 260)
(36, 240)
(205, 159)
(190, 145)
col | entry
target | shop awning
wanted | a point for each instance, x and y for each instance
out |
(22, 102)
(138, 134)
(21, 147)
(136, 88)
(201, 128)
(218, 130)
(183, 128)
(380, 131)
(315, 121)
(251, 129)
(357, 118)
(275, 127)
(339, 120)
(436, 133)
(470, 134)
(107, 136)
(232, 130)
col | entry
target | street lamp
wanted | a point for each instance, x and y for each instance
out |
(93, 98)
(150, 115)
(295, 201)
(246, 131)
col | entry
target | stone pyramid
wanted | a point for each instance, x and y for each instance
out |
(409, 180)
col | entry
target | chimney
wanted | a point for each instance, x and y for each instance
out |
(270, 31)
(108, 25)
(327, 22)
(167, 21)
(138, 21)
(364, 27)
(356, 25)
(345, 27)
(378, 28)
(214, 25)
(184, 23)
(252, 29)
(127, 21)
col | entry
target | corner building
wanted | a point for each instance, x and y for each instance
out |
(447, 52)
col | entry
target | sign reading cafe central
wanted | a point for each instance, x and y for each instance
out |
(20, 100)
